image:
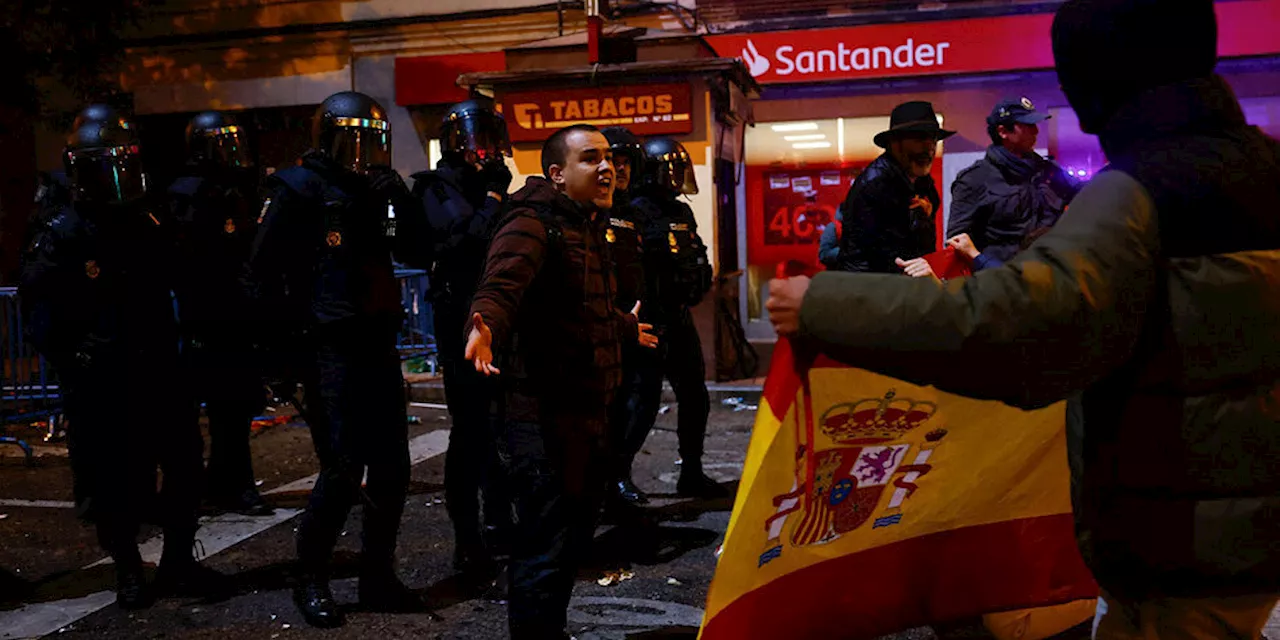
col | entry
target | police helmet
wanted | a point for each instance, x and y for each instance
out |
(104, 163)
(215, 137)
(668, 166)
(352, 129)
(100, 113)
(473, 132)
(625, 144)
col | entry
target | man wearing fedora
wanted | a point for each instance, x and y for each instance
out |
(1012, 191)
(888, 214)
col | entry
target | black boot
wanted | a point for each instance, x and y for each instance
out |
(247, 503)
(181, 576)
(315, 601)
(694, 483)
(628, 493)
(475, 566)
(190, 579)
(382, 591)
(131, 587)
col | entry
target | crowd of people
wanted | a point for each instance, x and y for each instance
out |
(561, 308)
(1147, 306)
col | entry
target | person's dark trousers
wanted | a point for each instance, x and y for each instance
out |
(558, 483)
(471, 467)
(679, 359)
(232, 394)
(622, 409)
(123, 425)
(356, 406)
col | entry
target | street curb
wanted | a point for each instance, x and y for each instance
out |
(749, 393)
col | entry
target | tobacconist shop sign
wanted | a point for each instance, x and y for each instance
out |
(646, 109)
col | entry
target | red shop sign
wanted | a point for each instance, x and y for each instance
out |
(432, 79)
(647, 109)
(1246, 28)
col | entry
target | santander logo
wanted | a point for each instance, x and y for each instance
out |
(788, 60)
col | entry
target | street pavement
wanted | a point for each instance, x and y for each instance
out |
(52, 581)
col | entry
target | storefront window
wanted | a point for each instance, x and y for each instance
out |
(798, 174)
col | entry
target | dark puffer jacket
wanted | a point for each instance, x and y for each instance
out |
(548, 294)
(1158, 298)
(879, 224)
(1000, 199)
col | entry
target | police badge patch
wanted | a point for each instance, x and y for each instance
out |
(334, 239)
(609, 236)
(229, 226)
(91, 269)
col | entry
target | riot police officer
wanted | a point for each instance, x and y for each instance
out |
(214, 207)
(461, 197)
(97, 283)
(677, 276)
(625, 254)
(325, 246)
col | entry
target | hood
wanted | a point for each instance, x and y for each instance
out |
(1108, 51)
(540, 192)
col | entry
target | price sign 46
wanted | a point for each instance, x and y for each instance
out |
(802, 224)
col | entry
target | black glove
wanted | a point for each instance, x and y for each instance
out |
(387, 183)
(497, 177)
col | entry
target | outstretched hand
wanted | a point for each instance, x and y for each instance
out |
(647, 340)
(480, 347)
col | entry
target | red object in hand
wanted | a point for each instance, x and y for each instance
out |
(948, 264)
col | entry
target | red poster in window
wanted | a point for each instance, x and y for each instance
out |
(790, 207)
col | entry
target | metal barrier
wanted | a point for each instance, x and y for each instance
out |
(29, 391)
(416, 337)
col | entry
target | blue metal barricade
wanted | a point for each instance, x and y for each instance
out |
(29, 391)
(416, 338)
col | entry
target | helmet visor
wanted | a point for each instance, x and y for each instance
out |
(483, 134)
(675, 171)
(361, 143)
(107, 175)
(226, 146)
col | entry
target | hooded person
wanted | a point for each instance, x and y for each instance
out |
(1150, 308)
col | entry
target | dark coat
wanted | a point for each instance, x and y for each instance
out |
(879, 224)
(1154, 307)
(999, 200)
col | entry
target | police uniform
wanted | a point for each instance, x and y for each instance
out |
(460, 212)
(96, 284)
(324, 247)
(677, 275)
(215, 213)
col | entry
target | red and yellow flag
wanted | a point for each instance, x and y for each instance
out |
(869, 505)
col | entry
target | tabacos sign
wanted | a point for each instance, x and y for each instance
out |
(651, 109)
(878, 51)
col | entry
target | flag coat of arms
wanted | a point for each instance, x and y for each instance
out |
(869, 505)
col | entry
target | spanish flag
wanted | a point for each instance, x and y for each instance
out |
(869, 505)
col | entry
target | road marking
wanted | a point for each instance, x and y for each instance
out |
(617, 618)
(216, 534)
(38, 504)
(43, 618)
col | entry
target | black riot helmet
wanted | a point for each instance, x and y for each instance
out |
(100, 113)
(474, 132)
(353, 130)
(214, 137)
(668, 166)
(626, 145)
(104, 163)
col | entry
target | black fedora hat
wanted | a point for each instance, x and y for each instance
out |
(912, 117)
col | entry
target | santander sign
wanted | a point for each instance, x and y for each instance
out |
(973, 45)
(789, 60)
(886, 50)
